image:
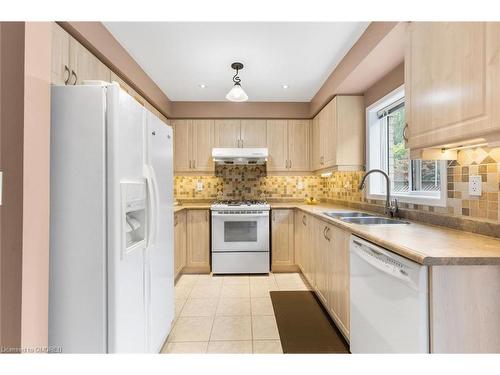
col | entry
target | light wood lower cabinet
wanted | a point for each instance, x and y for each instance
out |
(179, 242)
(322, 254)
(338, 277)
(198, 241)
(282, 240)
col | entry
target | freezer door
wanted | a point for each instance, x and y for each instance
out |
(127, 223)
(77, 289)
(160, 258)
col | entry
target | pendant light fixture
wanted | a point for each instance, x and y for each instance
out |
(237, 94)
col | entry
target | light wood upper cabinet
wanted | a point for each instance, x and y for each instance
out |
(182, 145)
(179, 242)
(298, 145)
(60, 71)
(198, 241)
(227, 133)
(339, 134)
(253, 133)
(282, 239)
(84, 65)
(277, 143)
(315, 144)
(452, 85)
(288, 144)
(240, 133)
(203, 142)
(72, 63)
(193, 143)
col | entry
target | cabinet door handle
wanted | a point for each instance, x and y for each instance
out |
(66, 70)
(194, 164)
(327, 231)
(73, 74)
(405, 129)
(242, 143)
(304, 219)
(289, 164)
(189, 163)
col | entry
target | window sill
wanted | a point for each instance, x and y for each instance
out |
(413, 199)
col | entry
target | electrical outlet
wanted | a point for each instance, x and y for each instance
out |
(199, 186)
(475, 185)
(300, 185)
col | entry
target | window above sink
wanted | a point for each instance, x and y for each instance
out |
(412, 181)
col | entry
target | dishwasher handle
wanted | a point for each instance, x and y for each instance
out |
(383, 262)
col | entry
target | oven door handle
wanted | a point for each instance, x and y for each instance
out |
(232, 215)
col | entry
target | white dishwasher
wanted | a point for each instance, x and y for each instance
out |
(388, 301)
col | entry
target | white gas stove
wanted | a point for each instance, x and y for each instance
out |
(240, 237)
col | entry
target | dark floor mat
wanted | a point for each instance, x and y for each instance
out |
(304, 326)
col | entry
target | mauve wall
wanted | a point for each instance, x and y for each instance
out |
(11, 150)
(25, 161)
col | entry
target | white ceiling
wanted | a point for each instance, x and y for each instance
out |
(179, 56)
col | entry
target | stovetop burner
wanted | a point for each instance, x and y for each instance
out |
(246, 202)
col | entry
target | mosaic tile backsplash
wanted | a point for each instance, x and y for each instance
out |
(252, 182)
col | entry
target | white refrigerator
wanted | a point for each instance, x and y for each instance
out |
(111, 230)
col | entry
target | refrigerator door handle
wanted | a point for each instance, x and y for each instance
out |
(150, 206)
(155, 201)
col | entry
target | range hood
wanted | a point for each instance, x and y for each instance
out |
(239, 156)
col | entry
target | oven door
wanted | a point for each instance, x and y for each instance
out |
(240, 231)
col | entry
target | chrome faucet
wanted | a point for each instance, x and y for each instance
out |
(391, 208)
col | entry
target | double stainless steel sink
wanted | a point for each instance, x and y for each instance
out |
(355, 217)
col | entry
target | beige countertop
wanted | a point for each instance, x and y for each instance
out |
(422, 243)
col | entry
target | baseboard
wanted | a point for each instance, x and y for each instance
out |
(285, 268)
(196, 269)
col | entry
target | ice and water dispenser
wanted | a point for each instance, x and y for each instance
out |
(134, 213)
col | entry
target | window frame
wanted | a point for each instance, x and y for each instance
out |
(426, 198)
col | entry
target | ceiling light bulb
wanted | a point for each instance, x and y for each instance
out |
(285, 86)
(237, 94)
(202, 85)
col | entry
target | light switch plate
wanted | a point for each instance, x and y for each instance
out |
(199, 186)
(475, 185)
(300, 185)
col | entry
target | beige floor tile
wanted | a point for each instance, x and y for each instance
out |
(209, 281)
(179, 304)
(287, 277)
(262, 280)
(182, 292)
(191, 329)
(262, 306)
(293, 286)
(267, 347)
(261, 290)
(185, 347)
(228, 328)
(207, 291)
(236, 280)
(235, 291)
(230, 347)
(264, 328)
(200, 307)
(233, 307)
(186, 281)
